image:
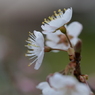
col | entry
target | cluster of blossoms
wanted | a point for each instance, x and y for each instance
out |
(59, 37)
(63, 85)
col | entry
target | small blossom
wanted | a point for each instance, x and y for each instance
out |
(58, 40)
(63, 85)
(36, 48)
(58, 20)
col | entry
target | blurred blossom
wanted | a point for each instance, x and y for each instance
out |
(63, 85)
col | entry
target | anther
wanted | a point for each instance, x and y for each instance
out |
(65, 9)
(59, 10)
(50, 18)
(43, 22)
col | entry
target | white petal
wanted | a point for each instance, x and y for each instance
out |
(67, 15)
(74, 29)
(33, 57)
(51, 91)
(42, 85)
(62, 46)
(70, 80)
(47, 90)
(39, 61)
(48, 27)
(56, 81)
(57, 46)
(48, 31)
(29, 54)
(74, 41)
(83, 89)
(39, 38)
(53, 37)
(58, 32)
(51, 44)
(59, 81)
(57, 23)
(38, 34)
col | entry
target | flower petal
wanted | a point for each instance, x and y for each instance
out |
(57, 23)
(83, 89)
(74, 41)
(39, 38)
(48, 27)
(51, 91)
(57, 81)
(50, 44)
(52, 37)
(39, 61)
(64, 81)
(74, 29)
(42, 85)
(67, 15)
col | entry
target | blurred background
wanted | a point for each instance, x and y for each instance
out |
(17, 18)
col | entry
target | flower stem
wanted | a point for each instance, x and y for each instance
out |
(68, 40)
(48, 49)
(63, 30)
(59, 49)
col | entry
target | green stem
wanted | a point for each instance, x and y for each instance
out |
(68, 40)
(58, 49)
(63, 30)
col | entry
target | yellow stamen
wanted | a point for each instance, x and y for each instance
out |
(29, 65)
(30, 33)
(43, 22)
(55, 13)
(51, 18)
(65, 9)
(28, 38)
(28, 51)
(34, 45)
(46, 21)
(25, 55)
(29, 44)
(59, 10)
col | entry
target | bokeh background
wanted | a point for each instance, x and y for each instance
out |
(17, 18)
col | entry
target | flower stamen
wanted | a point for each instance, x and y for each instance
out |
(53, 17)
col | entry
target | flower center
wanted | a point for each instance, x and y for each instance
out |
(63, 39)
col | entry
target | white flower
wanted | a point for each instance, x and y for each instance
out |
(63, 85)
(58, 40)
(58, 20)
(36, 48)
